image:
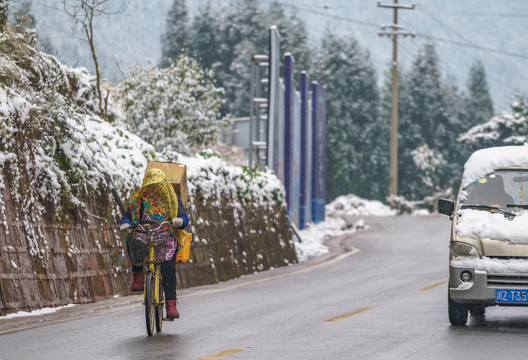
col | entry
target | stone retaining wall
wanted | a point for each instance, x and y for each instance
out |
(85, 262)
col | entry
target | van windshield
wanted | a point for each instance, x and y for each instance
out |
(502, 188)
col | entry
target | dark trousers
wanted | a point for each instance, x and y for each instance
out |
(168, 273)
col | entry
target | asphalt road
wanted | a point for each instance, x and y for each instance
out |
(387, 301)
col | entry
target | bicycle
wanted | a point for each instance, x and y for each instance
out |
(153, 296)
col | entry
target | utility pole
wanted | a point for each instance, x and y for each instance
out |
(394, 31)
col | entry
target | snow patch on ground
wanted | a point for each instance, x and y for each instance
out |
(42, 311)
(335, 224)
(351, 205)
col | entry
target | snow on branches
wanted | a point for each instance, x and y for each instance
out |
(509, 128)
(174, 108)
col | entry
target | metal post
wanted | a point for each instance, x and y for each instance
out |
(251, 112)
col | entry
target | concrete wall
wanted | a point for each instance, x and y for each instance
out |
(44, 264)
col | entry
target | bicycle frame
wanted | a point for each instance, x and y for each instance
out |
(153, 300)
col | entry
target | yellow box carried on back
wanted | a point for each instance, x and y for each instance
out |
(177, 175)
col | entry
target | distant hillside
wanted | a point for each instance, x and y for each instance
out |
(490, 30)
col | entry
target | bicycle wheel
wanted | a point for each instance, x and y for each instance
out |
(159, 308)
(149, 303)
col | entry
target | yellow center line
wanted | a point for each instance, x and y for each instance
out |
(433, 286)
(344, 316)
(221, 354)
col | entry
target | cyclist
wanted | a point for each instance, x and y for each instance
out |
(154, 203)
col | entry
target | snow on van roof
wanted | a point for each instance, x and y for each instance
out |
(485, 161)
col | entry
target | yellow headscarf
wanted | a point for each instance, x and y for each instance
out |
(160, 198)
(159, 195)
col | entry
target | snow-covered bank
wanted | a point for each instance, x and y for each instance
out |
(56, 149)
(336, 223)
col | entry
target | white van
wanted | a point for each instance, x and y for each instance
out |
(488, 258)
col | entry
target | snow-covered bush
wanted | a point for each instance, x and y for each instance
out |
(401, 205)
(352, 205)
(174, 108)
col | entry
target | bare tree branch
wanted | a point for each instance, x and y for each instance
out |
(84, 13)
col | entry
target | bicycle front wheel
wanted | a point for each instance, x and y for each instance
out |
(150, 305)
(161, 302)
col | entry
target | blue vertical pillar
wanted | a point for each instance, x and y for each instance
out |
(288, 120)
(304, 150)
(319, 152)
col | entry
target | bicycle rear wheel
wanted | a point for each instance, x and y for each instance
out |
(161, 303)
(149, 303)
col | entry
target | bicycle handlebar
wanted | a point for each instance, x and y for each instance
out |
(146, 230)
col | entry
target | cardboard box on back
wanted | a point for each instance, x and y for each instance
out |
(177, 175)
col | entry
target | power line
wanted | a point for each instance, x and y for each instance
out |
(337, 17)
(450, 29)
(524, 57)
(466, 43)
(470, 13)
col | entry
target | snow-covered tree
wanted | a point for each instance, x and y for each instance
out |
(357, 147)
(427, 162)
(173, 108)
(4, 12)
(175, 39)
(509, 128)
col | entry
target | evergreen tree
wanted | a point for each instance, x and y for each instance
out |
(175, 39)
(204, 42)
(4, 13)
(356, 147)
(294, 37)
(243, 34)
(428, 124)
(479, 105)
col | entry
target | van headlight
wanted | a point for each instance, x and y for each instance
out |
(463, 249)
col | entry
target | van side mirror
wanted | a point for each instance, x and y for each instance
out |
(446, 207)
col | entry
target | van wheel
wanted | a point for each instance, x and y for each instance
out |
(458, 313)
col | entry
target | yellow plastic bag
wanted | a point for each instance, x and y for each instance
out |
(185, 249)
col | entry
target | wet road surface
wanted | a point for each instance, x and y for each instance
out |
(387, 301)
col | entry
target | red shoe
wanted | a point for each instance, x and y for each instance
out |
(138, 282)
(172, 312)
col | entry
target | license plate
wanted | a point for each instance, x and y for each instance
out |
(511, 296)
